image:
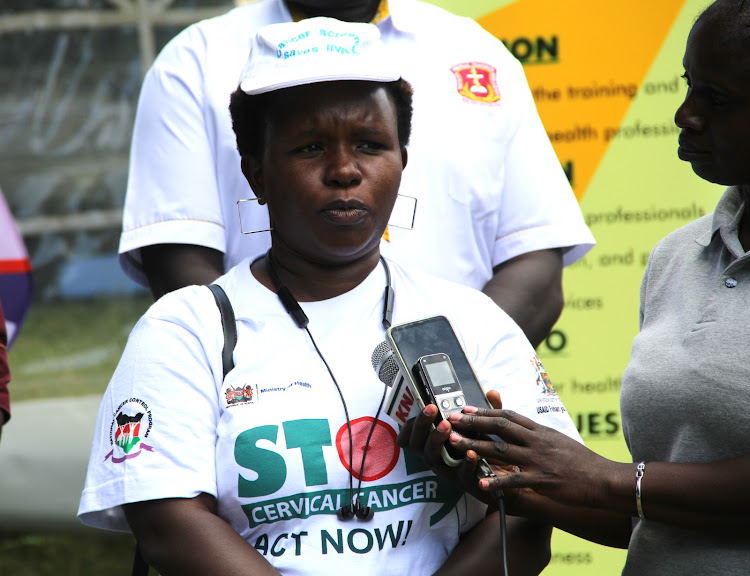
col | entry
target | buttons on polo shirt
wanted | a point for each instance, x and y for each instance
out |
(730, 283)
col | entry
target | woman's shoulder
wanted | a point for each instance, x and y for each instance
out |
(685, 239)
(694, 236)
(185, 307)
(692, 230)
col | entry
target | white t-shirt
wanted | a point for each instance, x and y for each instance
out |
(271, 440)
(488, 184)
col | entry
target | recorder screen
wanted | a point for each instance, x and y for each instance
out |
(441, 375)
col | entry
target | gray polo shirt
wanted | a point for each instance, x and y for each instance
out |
(686, 391)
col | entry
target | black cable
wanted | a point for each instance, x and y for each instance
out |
(346, 413)
(500, 503)
(389, 295)
(349, 429)
(367, 442)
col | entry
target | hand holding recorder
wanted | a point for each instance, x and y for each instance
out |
(424, 364)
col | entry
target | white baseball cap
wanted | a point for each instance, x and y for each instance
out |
(315, 50)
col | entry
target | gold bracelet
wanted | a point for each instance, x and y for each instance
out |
(638, 477)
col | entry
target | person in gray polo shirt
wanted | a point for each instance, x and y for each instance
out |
(683, 505)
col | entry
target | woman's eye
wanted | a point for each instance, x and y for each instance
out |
(309, 148)
(718, 100)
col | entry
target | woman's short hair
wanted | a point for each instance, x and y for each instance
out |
(736, 13)
(251, 114)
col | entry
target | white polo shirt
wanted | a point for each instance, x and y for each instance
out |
(488, 184)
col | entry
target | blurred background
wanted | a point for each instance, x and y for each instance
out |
(70, 74)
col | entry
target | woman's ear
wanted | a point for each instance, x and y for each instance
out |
(404, 157)
(253, 172)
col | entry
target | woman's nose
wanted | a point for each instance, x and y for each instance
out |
(343, 170)
(689, 114)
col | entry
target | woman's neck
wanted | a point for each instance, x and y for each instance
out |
(311, 281)
(349, 12)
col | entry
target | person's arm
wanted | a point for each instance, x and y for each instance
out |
(540, 217)
(529, 289)
(4, 374)
(173, 194)
(172, 266)
(479, 551)
(704, 496)
(600, 526)
(184, 536)
(4, 417)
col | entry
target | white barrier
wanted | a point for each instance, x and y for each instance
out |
(44, 452)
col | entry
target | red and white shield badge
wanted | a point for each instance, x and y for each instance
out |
(477, 82)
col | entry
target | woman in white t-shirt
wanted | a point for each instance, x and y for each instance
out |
(288, 463)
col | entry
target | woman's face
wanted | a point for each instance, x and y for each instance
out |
(715, 116)
(330, 169)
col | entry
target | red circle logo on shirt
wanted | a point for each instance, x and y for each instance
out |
(382, 450)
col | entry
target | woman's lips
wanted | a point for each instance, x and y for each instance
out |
(688, 151)
(344, 213)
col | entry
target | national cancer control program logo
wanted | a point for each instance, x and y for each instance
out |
(477, 82)
(131, 425)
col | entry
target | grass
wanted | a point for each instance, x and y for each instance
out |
(81, 553)
(69, 349)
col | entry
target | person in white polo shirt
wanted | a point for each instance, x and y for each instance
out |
(493, 207)
(288, 463)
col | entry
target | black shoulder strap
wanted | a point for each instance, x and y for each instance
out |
(140, 567)
(228, 324)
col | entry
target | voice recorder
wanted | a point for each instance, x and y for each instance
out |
(431, 359)
(439, 383)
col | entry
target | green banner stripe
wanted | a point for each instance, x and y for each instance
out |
(386, 497)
